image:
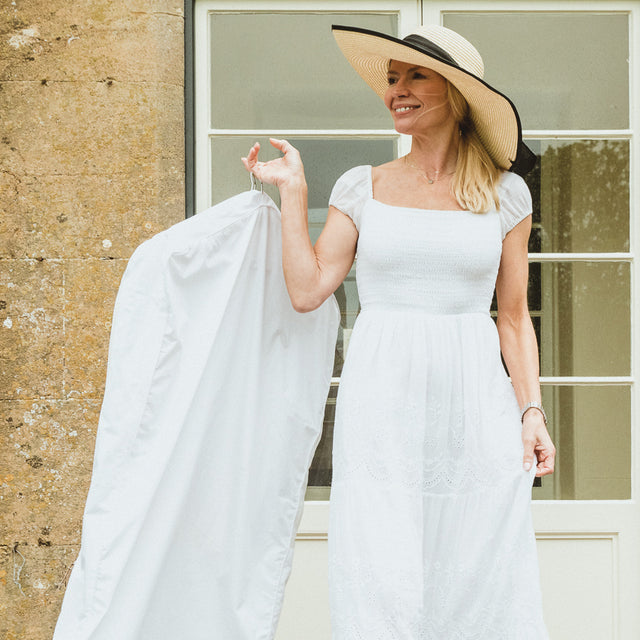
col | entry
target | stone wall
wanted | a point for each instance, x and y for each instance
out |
(91, 164)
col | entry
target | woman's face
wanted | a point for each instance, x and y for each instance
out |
(416, 97)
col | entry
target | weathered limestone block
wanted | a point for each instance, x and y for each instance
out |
(92, 164)
(167, 192)
(132, 42)
(96, 13)
(46, 457)
(31, 328)
(106, 216)
(46, 452)
(90, 290)
(29, 606)
(116, 129)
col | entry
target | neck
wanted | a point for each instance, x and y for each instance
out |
(437, 152)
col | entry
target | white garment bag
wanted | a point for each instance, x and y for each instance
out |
(213, 408)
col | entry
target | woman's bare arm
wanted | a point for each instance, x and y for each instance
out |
(312, 273)
(519, 346)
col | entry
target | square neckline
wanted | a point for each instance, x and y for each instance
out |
(395, 206)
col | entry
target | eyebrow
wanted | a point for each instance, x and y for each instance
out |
(397, 73)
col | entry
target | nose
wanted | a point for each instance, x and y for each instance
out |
(399, 88)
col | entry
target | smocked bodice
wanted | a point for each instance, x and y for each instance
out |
(442, 262)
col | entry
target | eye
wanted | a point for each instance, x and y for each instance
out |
(391, 80)
(418, 75)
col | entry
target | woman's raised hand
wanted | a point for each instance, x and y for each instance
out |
(283, 172)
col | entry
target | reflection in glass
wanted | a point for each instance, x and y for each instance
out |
(580, 193)
(584, 313)
(562, 70)
(591, 428)
(284, 71)
(581, 316)
(321, 468)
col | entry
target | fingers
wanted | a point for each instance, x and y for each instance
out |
(285, 170)
(537, 444)
(527, 459)
(546, 458)
(285, 147)
(251, 159)
(282, 145)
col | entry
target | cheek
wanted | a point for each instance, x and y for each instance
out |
(388, 97)
(432, 93)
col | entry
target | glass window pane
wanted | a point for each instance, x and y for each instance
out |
(318, 486)
(562, 70)
(347, 296)
(580, 192)
(584, 324)
(285, 71)
(591, 428)
(325, 160)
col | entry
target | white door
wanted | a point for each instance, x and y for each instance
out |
(568, 67)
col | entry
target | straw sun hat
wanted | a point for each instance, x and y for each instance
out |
(449, 54)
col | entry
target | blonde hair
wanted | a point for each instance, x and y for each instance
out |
(474, 183)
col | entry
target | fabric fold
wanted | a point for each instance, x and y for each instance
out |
(213, 408)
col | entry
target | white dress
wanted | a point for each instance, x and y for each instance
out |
(430, 532)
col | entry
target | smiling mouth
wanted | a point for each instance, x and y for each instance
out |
(404, 109)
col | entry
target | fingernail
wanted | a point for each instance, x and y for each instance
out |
(527, 466)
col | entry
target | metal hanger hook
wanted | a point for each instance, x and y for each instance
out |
(255, 179)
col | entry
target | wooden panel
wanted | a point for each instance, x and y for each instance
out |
(578, 574)
(579, 585)
(305, 613)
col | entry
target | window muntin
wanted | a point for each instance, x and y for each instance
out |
(572, 93)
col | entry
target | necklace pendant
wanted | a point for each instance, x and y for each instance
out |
(429, 180)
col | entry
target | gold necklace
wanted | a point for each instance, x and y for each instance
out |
(424, 174)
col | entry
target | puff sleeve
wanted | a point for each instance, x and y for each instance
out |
(351, 191)
(515, 201)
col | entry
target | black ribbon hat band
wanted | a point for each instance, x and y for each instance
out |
(430, 48)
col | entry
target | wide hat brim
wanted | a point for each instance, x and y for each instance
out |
(495, 117)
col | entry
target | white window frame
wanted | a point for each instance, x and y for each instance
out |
(614, 524)
(433, 12)
(410, 13)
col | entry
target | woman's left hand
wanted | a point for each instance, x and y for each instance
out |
(536, 439)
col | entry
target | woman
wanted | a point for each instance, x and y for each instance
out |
(434, 449)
